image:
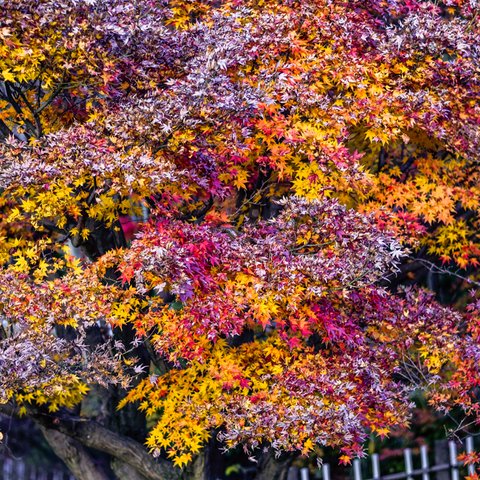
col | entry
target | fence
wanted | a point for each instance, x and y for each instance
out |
(19, 470)
(445, 465)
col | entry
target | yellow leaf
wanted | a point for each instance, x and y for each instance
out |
(182, 460)
(8, 75)
(307, 446)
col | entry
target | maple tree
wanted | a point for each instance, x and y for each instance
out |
(206, 208)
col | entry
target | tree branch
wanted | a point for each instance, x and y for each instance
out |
(5, 132)
(123, 470)
(77, 459)
(270, 467)
(93, 435)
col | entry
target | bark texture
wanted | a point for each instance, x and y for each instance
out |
(270, 468)
(77, 459)
(124, 471)
(93, 435)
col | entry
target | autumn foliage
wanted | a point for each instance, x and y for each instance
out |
(213, 209)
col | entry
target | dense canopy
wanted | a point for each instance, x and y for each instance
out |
(220, 210)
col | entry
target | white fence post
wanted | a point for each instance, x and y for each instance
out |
(357, 469)
(326, 471)
(19, 470)
(304, 474)
(7, 469)
(452, 450)
(376, 466)
(424, 462)
(407, 455)
(292, 473)
(469, 449)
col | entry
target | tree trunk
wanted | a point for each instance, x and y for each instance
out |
(77, 459)
(270, 468)
(95, 436)
(208, 465)
(124, 471)
(198, 469)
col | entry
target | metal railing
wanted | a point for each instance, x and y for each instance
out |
(444, 467)
(18, 469)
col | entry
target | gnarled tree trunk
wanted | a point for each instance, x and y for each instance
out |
(77, 459)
